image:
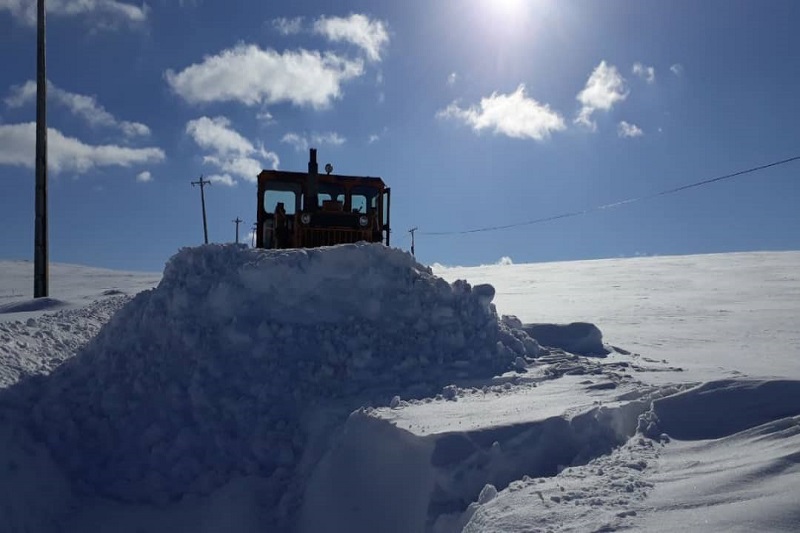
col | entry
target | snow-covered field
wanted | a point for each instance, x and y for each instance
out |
(352, 389)
(715, 313)
(36, 335)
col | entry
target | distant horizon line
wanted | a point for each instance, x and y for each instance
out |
(505, 260)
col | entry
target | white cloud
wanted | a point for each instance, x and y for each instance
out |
(299, 142)
(223, 179)
(245, 167)
(266, 117)
(677, 69)
(144, 177)
(330, 138)
(452, 78)
(604, 88)
(377, 136)
(302, 143)
(369, 35)
(85, 107)
(287, 26)
(250, 75)
(215, 134)
(514, 115)
(229, 150)
(22, 94)
(626, 129)
(25, 10)
(18, 141)
(646, 73)
(503, 261)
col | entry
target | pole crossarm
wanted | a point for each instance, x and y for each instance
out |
(237, 221)
(202, 183)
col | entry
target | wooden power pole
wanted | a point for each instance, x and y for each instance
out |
(41, 270)
(237, 221)
(411, 231)
(202, 185)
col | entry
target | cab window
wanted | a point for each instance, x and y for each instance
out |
(359, 203)
(330, 193)
(272, 198)
(364, 199)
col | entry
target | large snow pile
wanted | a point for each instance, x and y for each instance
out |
(39, 344)
(215, 373)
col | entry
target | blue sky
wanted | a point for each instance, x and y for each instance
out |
(476, 112)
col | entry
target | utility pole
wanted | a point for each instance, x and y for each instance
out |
(202, 185)
(411, 231)
(41, 270)
(253, 234)
(237, 221)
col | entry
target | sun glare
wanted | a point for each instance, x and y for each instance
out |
(510, 13)
(507, 7)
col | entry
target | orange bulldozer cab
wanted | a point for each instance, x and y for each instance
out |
(308, 209)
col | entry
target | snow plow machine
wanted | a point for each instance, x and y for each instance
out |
(309, 210)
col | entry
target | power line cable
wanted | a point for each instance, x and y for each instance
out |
(614, 204)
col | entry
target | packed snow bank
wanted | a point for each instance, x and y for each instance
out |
(729, 406)
(215, 374)
(577, 337)
(601, 495)
(719, 310)
(423, 462)
(37, 345)
(375, 477)
(35, 496)
(236, 507)
(746, 481)
(736, 441)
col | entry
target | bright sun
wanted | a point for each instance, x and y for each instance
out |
(508, 10)
(509, 7)
(504, 21)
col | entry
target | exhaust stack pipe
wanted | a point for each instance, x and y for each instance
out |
(312, 185)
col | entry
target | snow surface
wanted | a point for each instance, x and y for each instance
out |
(351, 389)
(71, 287)
(36, 335)
(716, 314)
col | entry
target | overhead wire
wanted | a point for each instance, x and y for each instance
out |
(614, 204)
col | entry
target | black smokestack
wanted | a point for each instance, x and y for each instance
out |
(312, 187)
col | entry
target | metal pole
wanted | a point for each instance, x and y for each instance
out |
(202, 185)
(203, 203)
(41, 274)
(237, 221)
(411, 231)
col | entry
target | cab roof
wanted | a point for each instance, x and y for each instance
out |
(302, 177)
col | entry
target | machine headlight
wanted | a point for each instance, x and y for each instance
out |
(363, 220)
(305, 218)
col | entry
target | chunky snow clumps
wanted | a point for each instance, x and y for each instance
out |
(211, 374)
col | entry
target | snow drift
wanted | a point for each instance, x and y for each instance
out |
(560, 445)
(723, 457)
(223, 369)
